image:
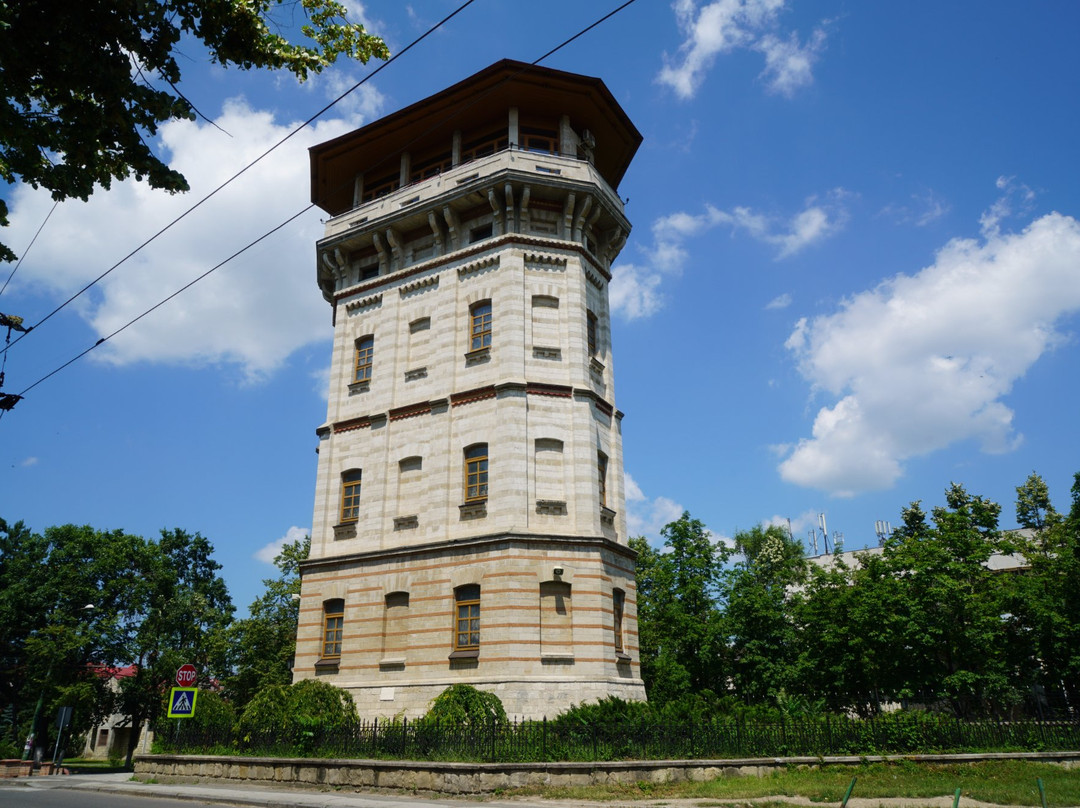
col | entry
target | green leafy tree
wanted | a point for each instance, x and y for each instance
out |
(1044, 615)
(66, 598)
(262, 646)
(760, 590)
(86, 83)
(681, 637)
(951, 645)
(183, 613)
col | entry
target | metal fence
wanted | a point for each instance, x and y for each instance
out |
(562, 741)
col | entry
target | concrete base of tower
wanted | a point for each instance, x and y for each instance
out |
(543, 621)
(522, 699)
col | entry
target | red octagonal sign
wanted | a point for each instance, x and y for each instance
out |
(186, 675)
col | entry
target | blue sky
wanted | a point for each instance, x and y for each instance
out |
(854, 275)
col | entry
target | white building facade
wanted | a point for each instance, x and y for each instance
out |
(469, 522)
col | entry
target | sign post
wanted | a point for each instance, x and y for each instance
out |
(182, 698)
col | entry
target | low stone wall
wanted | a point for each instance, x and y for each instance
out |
(13, 767)
(481, 778)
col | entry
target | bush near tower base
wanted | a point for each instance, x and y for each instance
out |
(464, 704)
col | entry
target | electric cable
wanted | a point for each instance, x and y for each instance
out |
(296, 215)
(27, 250)
(243, 170)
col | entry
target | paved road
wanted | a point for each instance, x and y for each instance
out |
(117, 790)
(15, 797)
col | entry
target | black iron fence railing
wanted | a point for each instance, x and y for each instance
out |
(561, 741)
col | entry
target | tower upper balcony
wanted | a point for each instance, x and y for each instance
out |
(514, 149)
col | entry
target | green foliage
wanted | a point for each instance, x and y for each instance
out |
(287, 711)
(8, 749)
(681, 635)
(80, 107)
(213, 714)
(464, 704)
(261, 647)
(77, 602)
(607, 712)
(761, 595)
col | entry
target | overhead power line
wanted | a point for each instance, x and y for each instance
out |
(296, 215)
(244, 170)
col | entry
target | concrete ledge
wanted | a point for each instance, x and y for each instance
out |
(483, 778)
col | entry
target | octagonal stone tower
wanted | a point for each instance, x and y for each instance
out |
(469, 520)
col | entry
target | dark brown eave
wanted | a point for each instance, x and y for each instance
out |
(484, 97)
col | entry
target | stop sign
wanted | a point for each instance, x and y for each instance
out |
(186, 675)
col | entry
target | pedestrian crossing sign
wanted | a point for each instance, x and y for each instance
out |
(182, 702)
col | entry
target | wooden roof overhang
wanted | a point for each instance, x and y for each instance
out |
(429, 125)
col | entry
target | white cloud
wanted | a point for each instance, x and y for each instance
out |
(723, 26)
(633, 292)
(923, 361)
(647, 517)
(321, 382)
(924, 209)
(789, 64)
(28, 462)
(269, 552)
(251, 313)
(1017, 200)
(635, 288)
(779, 302)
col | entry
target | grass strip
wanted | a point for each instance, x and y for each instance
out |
(1004, 782)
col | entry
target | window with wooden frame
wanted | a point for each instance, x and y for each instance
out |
(480, 325)
(536, 139)
(476, 472)
(590, 331)
(618, 603)
(380, 187)
(333, 625)
(365, 352)
(467, 618)
(484, 145)
(601, 472)
(430, 167)
(350, 495)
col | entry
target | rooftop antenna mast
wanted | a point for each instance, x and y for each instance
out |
(883, 530)
(824, 531)
(813, 539)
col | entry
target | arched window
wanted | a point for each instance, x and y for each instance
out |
(476, 472)
(350, 495)
(333, 625)
(467, 618)
(480, 325)
(365, 352)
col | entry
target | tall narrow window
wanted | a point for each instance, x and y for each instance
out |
(350, 495)
(333, 624)
(476, 472)
(590, 327)
(618, 598)
(480, 325)
(365, 350)
(467, 618)
(601, 471)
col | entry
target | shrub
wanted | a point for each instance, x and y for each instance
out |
(282, 711)
(464, 704)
